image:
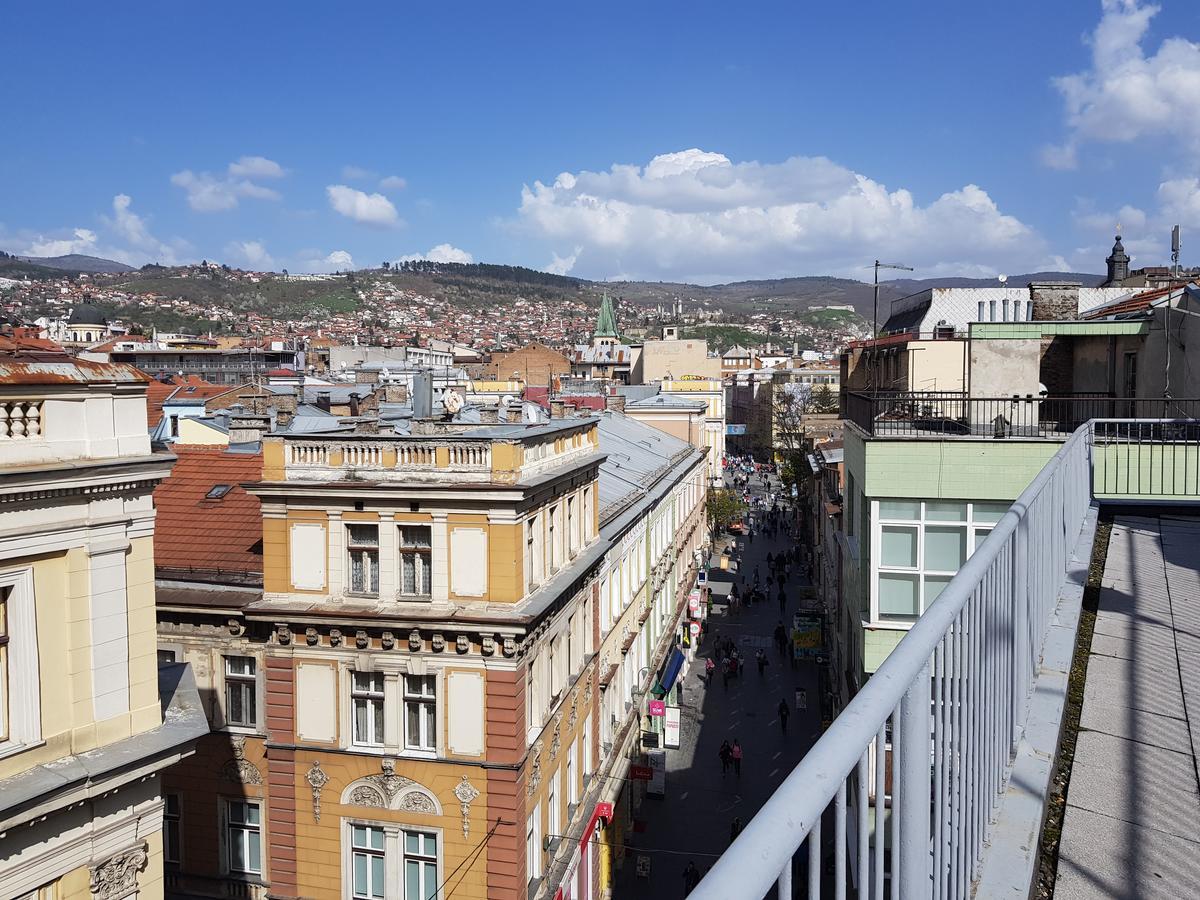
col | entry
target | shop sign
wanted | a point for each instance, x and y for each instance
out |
(657, 760)
(658, 707)
(671, 728)
(695, 629)
(640, 773)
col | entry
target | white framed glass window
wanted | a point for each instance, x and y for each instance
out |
(172, 825)
(605, 605)
(531, 573)
(368, 863)
(533, 843)
(552, 554)
(552, 800)
(4, 677)
(420, 712)
(587, 746)
(416, 545)
(241, 692)
(573, 774)
(20, 675)
(420, 865)
(243, 836)
(366, 702)
(919, 548)
(572, 541)
(362, 543)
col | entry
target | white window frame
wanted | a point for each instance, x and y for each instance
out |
(553, 802)
(370, 561)
(395, 857)
(21, 700)
(245, 831)
(586, 772)
(368, 690)
(975, 525)
(247, 684)
(424, 697)
(369, 853)
(573, 774)
(422, 561)
(533, 843)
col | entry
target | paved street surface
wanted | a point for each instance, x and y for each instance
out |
(693, 821)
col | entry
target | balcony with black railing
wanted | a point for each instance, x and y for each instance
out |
(955, 414)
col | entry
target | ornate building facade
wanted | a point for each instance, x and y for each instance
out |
(409, 707)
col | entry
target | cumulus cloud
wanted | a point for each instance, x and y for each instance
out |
(697, 215)
(251, 254)
(126, 238)
(562, 265)
(319, 261)
(442, 253)
(1127, 94)
(367, 209)
(207, 192)
(392, 183)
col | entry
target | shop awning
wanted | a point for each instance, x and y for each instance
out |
(674, 664)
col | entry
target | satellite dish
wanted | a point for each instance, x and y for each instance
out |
(453, 401)
(1003, 279)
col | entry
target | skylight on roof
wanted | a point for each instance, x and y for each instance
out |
(217, 491)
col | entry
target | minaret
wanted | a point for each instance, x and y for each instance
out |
(1118, 263)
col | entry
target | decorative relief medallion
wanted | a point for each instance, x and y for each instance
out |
(335, 637)
(387, 640)
(361, 640)
(487, 644)
(240, 770)
(510, 646)
(555, 741)
(419, 802)
(573, 716)
(311, 636)
(587, 690)
(317, 779)
(367, 796)
(438, 642)
(466, 794)
(116, 877)
(462, 643)
(414, 640)
(283, 635)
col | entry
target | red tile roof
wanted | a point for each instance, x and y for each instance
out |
(1136, 303)
(209, 540)
(156, 393)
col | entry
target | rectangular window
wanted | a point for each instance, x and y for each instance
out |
(241, 690)
(172, 822)
(552, 798)
(605, 606)
(530, 533)
(420, 712)
(552, 540)
(416, 544)
(366, 700)
(244, 836)
(367, 862)
(572, 774)
(921, 546)
(572, 541)
(533, 843)
(587, 746)
(420, 865)
(363, 546)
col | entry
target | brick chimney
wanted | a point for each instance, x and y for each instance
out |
(558, 409)
(1054, 301)
(615, 401)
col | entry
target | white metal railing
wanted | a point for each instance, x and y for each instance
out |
(20, 420)
(954, 696)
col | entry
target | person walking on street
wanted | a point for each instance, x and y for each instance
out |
(725, 754)
(709, 665)
(691, 878)
(761, 659)
(735, 754)
(780, 638)
(782, 599)
(735, 828)
(784, 712)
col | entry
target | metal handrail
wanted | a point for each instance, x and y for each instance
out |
(958, 682)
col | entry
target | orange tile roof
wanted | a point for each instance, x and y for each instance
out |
(209, 540)
(1136, 303)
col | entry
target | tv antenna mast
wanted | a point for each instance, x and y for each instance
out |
(1175, 251)
(882, 265)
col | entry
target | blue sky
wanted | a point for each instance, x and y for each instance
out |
(677, 141)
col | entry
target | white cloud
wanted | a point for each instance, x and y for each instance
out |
(256, 167)
(697, 215)
(442, 253)
(127, 239)
(393, 183)
(1126, 95)
(562, 265)
(82, 242)
(356, 173)
(368, 209)
(207, 192)
(318, 261)
(251, 254)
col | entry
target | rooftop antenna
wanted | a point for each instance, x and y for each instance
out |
(1175, 251)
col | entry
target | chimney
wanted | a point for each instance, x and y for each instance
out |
(365, 376)
(615, 401)
(489, 415)
(247, 429)
(557, 409)
(323, 400)
(422, 396)
(392, 393)
(1053, 301)
(513, 414)
(354, 409)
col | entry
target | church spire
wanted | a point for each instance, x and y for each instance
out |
(1118, 262)
(606, 321)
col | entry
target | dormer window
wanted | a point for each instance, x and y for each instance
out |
(218, 491)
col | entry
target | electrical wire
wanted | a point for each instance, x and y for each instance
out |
(474, 855)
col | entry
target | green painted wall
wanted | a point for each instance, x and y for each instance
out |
(951, 469)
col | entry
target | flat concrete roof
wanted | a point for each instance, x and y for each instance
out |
(1031, 330)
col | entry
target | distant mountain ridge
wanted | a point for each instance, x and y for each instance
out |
(77, 262)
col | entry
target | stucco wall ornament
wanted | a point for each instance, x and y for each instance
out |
(283, 635)
(419, 802)
(361, 640)
(367, 796)
(240, 770)
(388, 780)
(414, 640)
(466, 794)
(535, 772)
(116, 877)
(317, 779)
(387, 641)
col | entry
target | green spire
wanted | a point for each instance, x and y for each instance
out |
(606, 322)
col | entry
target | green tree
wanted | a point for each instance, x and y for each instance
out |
(824, 400)
(724, 508)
